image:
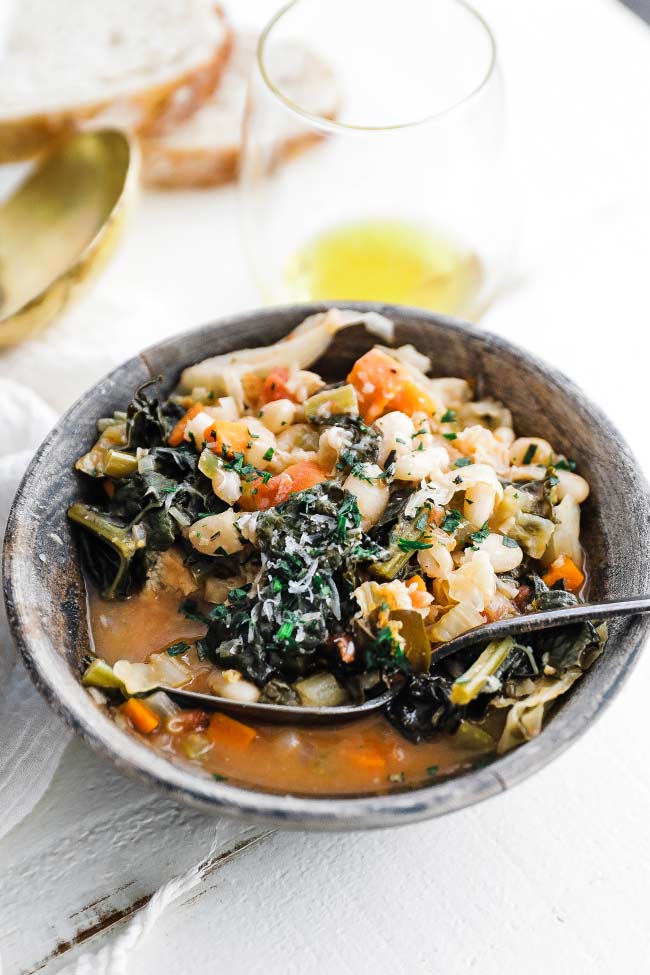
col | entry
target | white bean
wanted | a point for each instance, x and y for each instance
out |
(196, 427)
(504, 558)
(372, 497)
(226, 484)
(415, 465)
(215, 532)
(479, 503)
(527, 450)
(231, 684)
(261, 439)
(436, 562)
(278, 414)
(396, 431)
(572, 484)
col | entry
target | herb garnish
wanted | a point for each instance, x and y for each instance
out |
(452, 520)
(530, 453)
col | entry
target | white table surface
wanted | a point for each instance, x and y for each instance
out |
(551, 877)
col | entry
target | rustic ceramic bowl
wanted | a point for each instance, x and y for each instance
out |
(45, 593)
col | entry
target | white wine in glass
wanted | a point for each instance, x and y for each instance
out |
(405, 195)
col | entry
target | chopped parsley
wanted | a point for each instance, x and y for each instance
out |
(432, 770)
(176, 649)
(565, 465)
(449, 416)
(508, 542)
(480, 536)
(452, 520)
(412, 544)
(530, 453)
(268, 455)
(450, 436)
(462, 462)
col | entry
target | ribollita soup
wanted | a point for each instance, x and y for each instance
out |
(263, 536)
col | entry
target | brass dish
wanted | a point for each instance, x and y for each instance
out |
(59, 227)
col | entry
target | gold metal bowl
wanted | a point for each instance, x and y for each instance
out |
(59, 227)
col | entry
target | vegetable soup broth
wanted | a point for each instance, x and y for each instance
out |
(266, 538)
(366, 755)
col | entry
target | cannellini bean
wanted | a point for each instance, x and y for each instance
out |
(372, 498)
(415, 465)
(196, 427)
(331, 443)
(278, 414)
(479, 504)
(215, 532)
(531, 472)
(528, 450)
(436, 562)
(226, 484)
(225, 410)
(572, 484)
(231, 684)
(261, 439)
(504, 558)
(396, 430)
(474, 582)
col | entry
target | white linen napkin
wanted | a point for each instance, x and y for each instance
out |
(33, 738)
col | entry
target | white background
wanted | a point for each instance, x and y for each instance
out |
(549, 878)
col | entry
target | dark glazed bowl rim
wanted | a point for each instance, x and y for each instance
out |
(70, 700)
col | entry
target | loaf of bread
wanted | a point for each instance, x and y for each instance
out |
(205, 149)
(145, 66)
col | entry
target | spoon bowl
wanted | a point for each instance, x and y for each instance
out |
(58, 228)
(497, 630)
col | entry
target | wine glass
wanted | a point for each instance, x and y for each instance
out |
(375, 162)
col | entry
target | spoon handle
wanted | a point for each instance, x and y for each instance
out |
(545, 620)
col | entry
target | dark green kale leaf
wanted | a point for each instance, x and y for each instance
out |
(310, 546)
(363, 445)
(145, 423)
(569, 646)
(423, 709)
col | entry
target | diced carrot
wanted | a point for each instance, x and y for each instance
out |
(275, 386)
(227, 437)
(141, 716)
(176, 436)
(305, 475)
(564, 568)
(419, 583)
(377, 379)
(259, 495)
(230, 733)
(412, 398)
(367, 758)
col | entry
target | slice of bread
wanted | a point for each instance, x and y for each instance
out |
(144, 65)
(205, 150)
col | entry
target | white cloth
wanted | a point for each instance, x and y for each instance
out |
(32, 739)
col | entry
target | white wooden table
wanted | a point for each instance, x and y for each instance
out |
(551, 877)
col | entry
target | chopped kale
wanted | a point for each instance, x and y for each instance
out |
(423, 709)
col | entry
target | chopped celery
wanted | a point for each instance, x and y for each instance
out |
(470, 684)
(100, 674)
(196, 745)
(120, 464)
(331, 402)
(208, 463)
(407, 530)
(473, 738)
(321, 691)
(417, 646)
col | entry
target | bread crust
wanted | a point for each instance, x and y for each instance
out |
(152, 111)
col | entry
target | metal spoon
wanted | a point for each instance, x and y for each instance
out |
(60, 225)
(513, 626)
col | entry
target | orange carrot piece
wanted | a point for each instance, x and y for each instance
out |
(227, 437)
(367, 758)
(176, 436)
(275, 386)
(259, 495)
(419, 583)
(305, 475)
(412, 398)
(377, 379)
(230, 733)
(564, 568)
(141, 716)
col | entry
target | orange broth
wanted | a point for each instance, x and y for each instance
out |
(355, 758)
